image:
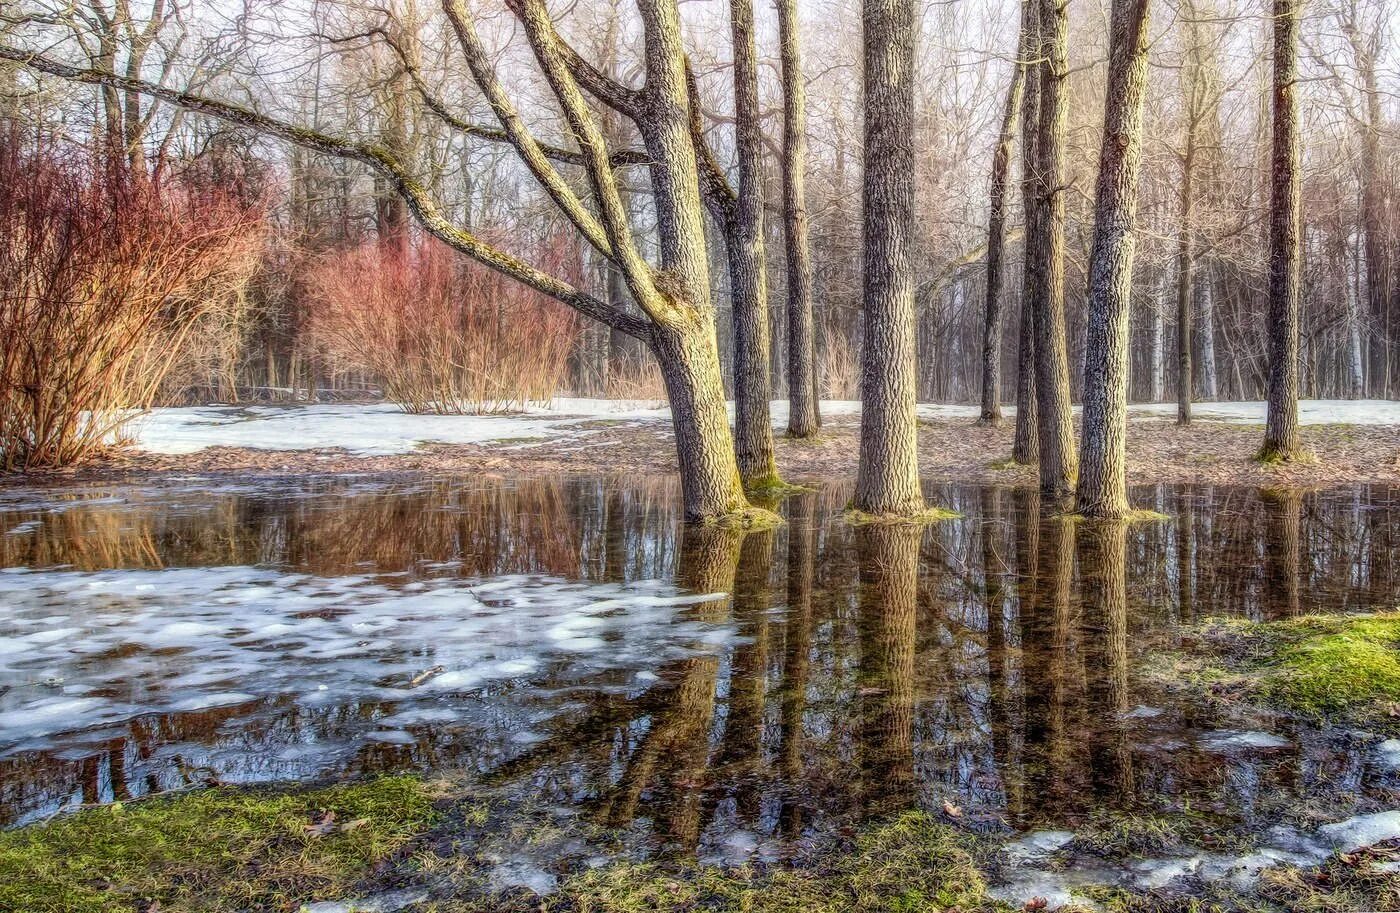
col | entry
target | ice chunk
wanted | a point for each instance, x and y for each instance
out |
(1362, 831)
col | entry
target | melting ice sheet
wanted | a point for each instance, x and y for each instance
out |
(253, 674)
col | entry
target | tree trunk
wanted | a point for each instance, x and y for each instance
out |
(1056, 420)
(1185, 265)
(689, 359)
(888, 479)
(996, 231)
(804, 411)
(1158, 342)
(1026, 447)
(1205, 306)
(1103, 490)
(1281, 441)
(748, 269)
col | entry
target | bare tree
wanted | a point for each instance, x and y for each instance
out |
(1281, 440)
(804, 415)
(996, 229)
(1047, 256)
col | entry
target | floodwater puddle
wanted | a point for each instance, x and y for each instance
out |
(566, 646)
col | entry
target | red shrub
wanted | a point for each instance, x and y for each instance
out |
(102, 275)
(442, 333)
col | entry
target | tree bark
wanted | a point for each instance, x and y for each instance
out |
(748, 269)
(804, 398)
(1103, 490)
(1281, 440)
(1026, 447)
(996, 230)
(1058, 468)
(888, 478)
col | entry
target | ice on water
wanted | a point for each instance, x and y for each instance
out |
(82, 650)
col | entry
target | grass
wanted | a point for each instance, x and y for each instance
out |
(1338, 667)
(212, 851)
(913, 864)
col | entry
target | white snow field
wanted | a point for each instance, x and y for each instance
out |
(383, 428)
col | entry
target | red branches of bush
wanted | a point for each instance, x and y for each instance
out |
(102, 274)
(441, 333)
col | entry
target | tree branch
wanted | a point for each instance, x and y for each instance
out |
(374, 156)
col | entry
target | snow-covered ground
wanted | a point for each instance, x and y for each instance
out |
(385, 429)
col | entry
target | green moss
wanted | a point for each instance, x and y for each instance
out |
(1272, 456)
(746, 518)
(770, 486)
(930, 515)
(211, 851)
(1007, 464)
(1336, 665)
(1343, 667)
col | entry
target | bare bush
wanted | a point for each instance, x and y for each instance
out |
(639, 380)
(442, 334)
(838, 368)
(102, 278)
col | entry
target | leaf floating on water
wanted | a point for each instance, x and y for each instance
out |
(951, 810)
(1036, 903)
(426, 674)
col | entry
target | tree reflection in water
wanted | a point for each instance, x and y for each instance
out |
(844, 672)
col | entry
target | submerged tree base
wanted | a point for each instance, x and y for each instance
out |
(1269, 455)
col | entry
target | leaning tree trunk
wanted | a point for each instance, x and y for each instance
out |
(804, 415)
(689, 360)
(1103, 490)
(888, 479)
(1281, 441)
(1056, 420)
(748, 271)
(996, 231)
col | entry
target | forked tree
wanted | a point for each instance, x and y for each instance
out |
(1281, 440)
(674, 295)
(887, 482)
(1103, 490)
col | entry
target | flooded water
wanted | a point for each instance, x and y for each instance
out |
(567, 645)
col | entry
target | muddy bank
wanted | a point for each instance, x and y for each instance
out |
(950, 450)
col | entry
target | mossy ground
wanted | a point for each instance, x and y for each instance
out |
(913, 864)
(212, 851)
(931, 515)
(1342, 668)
